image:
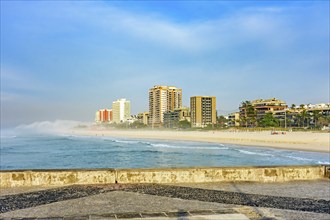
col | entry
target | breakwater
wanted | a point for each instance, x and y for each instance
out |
(23, 178)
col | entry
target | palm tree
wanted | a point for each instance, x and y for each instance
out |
(316, 116)
(303, 114)
(249, 113)
(244, 105)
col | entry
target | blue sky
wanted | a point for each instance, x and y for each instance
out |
(66, 59)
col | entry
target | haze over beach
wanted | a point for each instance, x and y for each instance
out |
(62, 60)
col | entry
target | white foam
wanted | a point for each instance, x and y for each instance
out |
(254, 153)
(299, 158)
(126, 141)
(186, 147)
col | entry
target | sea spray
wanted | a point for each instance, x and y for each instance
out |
(49, 127)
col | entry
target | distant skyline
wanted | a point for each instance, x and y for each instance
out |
(66, 59)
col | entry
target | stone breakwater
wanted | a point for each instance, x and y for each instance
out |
(19, 178)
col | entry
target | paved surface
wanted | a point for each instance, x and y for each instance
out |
(291, 200)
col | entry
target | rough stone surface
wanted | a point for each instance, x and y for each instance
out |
(111, 203)
(56, 177)
(225, 197)
(104, 201)
(313, 189)
(170, 175)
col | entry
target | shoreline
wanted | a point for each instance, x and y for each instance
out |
(300, 141)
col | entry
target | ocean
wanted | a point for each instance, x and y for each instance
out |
(36, 151)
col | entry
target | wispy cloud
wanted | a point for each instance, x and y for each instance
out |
(267, 25)
(81, 55)
(16, 83)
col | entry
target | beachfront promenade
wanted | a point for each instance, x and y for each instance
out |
(301, 192)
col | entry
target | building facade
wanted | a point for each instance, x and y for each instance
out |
(121, 110)
(143, 117)
(303, 115)
(172, 118)
(163, 99)
(233, 119)
(104, 116)
(253, 111)
(203, 111)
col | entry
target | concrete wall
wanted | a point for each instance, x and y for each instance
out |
(171, 175)
(56, 177)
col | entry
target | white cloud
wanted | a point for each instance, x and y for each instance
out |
(199, 36)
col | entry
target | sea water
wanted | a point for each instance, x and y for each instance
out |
(67, 152)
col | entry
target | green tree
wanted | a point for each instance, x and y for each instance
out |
(269, 121)
(303, 117)
(137, 125)
(324, 121)
(249, 116)
(316, 115)
(184, 124)
(222, 121)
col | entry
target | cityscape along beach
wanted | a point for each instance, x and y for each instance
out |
(166, 111)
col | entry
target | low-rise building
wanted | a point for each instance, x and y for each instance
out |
(233, 119)
(303, 115)
(172, 118)
(253, 111)
(143, 117)
(104, 116)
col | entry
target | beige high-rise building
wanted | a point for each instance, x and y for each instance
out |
(203, 111)
(121, 110)
(163, 99)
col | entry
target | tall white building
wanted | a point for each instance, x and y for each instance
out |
(121, 110)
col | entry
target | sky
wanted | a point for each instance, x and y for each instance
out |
(63, 60)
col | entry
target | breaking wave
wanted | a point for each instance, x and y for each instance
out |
(254, 153)
(186, 147)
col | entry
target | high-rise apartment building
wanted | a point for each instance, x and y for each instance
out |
(103, 116)
(203, 111)
(163, 99)
(121, 110)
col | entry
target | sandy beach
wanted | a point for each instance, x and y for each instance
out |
(304, 141)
